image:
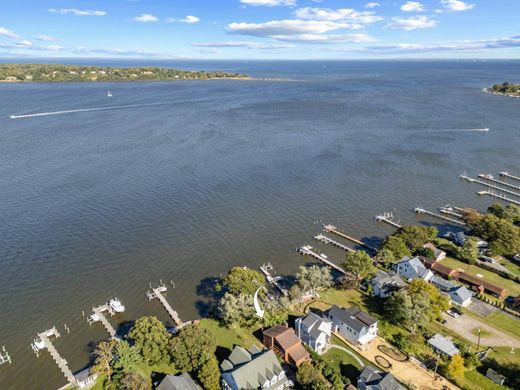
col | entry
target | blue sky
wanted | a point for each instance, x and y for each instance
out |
(263, 29)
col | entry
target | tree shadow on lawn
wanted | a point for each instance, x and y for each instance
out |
(350, 371)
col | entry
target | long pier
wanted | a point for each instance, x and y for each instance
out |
(326, 240)
(507, 174)
(157, 292)
(449, 211)
(419, 210)
(4, 356)
(307, 250)
(333, 229)
(100, 316)
(503, 183)
(43, 341)
(274, 280)
(388, 218)
(471, 180)
(499, 196)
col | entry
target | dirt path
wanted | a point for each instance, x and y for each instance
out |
(464, 324)
(405, 372)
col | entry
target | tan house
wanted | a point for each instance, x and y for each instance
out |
(284, 342)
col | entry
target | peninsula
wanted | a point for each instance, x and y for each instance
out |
(505, 88)
(63, 73)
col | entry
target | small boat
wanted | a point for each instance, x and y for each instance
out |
(38, 344)
(116, 305)
(109, 94)
(93, 318)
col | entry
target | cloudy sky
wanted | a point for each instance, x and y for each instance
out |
(263, 29)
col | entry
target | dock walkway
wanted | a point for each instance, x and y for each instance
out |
(419, 210)
(100, 316)
(499, 196)
(157, 292)
(507, 174)
(4, 356)
(274, 280)
(387, 218)
(472, 180)
(502, 183)
(333, 229)
(307, 250)
(326, 240)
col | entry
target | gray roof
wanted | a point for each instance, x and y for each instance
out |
(255, 372)
(178, 382)
(312, 322)
(416, 264)
(444, 345)
(376, 380)
(442, 284)
(460, 294)
(82, 375)
(383, 279)
(352, 316)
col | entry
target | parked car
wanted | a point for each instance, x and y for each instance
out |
(517, 257)
(488, 259)
(453, 312)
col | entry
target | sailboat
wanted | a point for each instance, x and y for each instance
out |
(109, 94)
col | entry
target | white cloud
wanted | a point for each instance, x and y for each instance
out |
(372, 4)
(47, 38)
(28, 45)
(342, 14)
(190, 19)
(268, 3)
(248, 45)
(146, 18)
(7, 33)
(412, 6)
(77, 12)
(457, 5)
(413, 23)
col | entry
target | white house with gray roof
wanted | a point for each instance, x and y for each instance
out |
(413, 268)
(314, 331)
(253, 369)
(443, 345)
(384, 284)
(373, 379)
(460, 296)
(353, 324)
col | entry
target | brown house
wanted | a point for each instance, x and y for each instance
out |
(284, 342)
(444, 271)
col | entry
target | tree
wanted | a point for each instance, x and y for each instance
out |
(397, 246)
(276, 312)
(469, 251)
(386, 257)
(503, 235)
(311, 378)
(425, 252)
(242, 280)
(135, 381)
(237, 310)
(189, 348)
(313, 278)
(455, 368)
(126, 357)
(360, 264)
(104, 355)
(150, 339)
(415, 237)
(209, 373)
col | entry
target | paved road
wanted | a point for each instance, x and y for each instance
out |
(464, 324)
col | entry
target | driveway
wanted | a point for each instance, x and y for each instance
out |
(464, 324)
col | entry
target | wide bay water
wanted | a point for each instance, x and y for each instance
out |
(98, 204)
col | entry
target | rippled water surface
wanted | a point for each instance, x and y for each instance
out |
(98, 204)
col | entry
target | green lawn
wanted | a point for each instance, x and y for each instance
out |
(473, 380)
(227, 337)
(511, 286)
(501, 321)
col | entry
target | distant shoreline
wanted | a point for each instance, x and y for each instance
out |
(492, 92)
(137, 81)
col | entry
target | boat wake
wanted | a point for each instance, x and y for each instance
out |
(86, 110)
(482, 130)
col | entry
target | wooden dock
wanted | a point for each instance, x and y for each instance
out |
(99, 316)
(4, 356)
(507, 174)
(157, 292)
(489, 185)
(387, 218)
(326, 240)
(503, 183)
(333, 229)
(449, 211)
(307, 250)
(499, 196)
(274, 280)
(43, 341)
(419, 210)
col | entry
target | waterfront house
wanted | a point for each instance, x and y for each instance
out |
(353, 324)
(84, 378)
(413, 268)
(373, 379)
(284, 342)
(458, 238)
(438, 254)
(460, 296)
(443, 345)
(385, 283)
(178, 382)
(442, 284)
(253, 369)
(314, 331)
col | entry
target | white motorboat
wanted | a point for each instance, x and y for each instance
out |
(116, 305)
(109, 94)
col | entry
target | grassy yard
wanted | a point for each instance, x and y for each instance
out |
(501, 321)
(343, 361)
(473, 380)
(227, 337)
(511, 286)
